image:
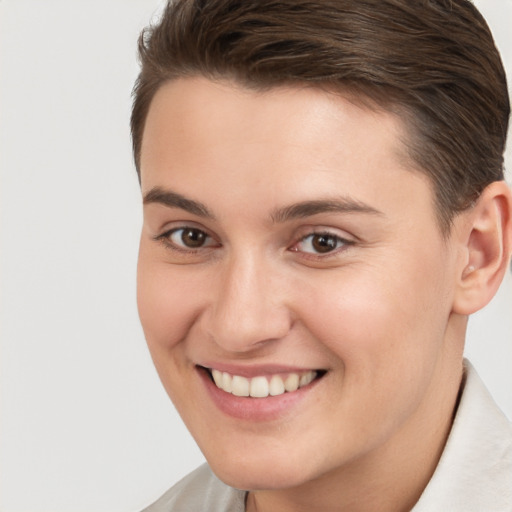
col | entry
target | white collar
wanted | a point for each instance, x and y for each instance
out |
(474, 473)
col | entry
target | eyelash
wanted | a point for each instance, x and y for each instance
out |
(165, 238)
(341, 243)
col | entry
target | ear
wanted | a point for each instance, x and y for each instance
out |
(487, 249)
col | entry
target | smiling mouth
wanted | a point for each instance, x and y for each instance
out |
(263, 386)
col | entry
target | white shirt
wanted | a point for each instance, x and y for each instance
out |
(474, 473)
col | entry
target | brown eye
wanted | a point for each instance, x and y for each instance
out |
(189, 238)
(321, 243)
(324, 243)
(193, 237)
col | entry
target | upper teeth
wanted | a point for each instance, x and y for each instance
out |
(261, 387)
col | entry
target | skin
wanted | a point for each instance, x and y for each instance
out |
(378, 312)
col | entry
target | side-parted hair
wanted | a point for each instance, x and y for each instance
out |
(431, 62)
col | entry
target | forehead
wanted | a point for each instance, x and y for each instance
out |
(207, 109)
(276, 145)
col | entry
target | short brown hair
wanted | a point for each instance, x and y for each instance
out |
(432, 62)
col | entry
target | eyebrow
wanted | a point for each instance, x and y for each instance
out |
(174, 200)
(310, 208)
(300, 210)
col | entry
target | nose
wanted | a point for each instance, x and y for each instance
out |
(248, 307)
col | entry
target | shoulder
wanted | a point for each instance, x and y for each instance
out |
(200, 490)
(475, 470)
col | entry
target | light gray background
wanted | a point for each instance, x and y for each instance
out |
(85, 424)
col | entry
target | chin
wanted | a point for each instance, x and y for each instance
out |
(269, 474)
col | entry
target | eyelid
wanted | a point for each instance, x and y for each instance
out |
(342, 234)
(346, 239)
(165, 238)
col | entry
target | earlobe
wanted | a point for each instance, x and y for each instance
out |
(488, 246)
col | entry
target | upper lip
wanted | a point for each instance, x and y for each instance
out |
(251, 371)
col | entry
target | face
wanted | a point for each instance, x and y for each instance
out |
(289, 252)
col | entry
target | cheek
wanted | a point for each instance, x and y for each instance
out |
(385, 326)
(385, 345)
(166, 303)
(167, 308)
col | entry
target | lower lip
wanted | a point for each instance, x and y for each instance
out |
(254, 409)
